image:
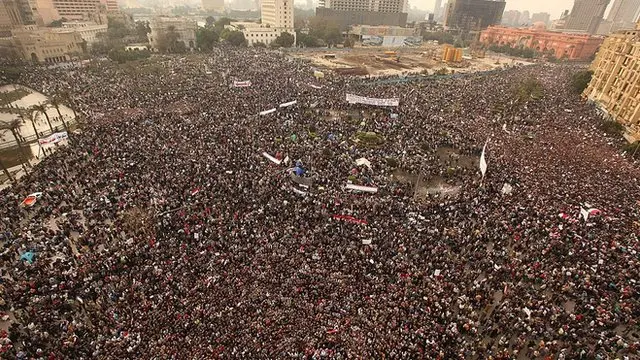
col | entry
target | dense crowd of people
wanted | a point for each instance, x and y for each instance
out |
(164, 232)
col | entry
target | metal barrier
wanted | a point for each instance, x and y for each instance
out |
(28, 140)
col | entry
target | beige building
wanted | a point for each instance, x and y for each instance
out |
(51, 10)
(277, 17)
(185, 28)
(87, 30)
(615, 84)
(43, 45)
(10, 16)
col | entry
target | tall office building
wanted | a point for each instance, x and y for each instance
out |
(213, 5)
(364, 12)
(277, 14)
(473, 15)
(10, 16)
(437, 9)
(586, 15)
(624, 11)
(541, 17)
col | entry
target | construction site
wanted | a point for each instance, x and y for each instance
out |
(428, 59)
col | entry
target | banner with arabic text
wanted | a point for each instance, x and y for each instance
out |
(355, 99)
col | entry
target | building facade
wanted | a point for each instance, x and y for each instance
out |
(615, 84)
(88, 31)
(10, 16)
(473, 15)
(185, 29)
(541, 17)
(277, 18)
(364, 12)
(561, 45)
(44, 45)
(586, 15)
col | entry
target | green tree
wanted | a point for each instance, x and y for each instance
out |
(142, 29)
(42, 108)
(284, 40)
(13, 126)
(222, 22)
(116, 29)
(307, 40)
(321, 28)
(57, 23)
(211, 21)
(235, 38)
(167, 41)
(206, 38)
(348, 43)
(529, 89)
(580, 80)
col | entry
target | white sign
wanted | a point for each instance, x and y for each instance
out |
(274, 160)
(368, 189)
(53, 138)
(288, 103)
(242, 83)
(355, 99)
(267, 112)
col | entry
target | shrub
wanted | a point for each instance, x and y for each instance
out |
(580, 81)
(612, 128)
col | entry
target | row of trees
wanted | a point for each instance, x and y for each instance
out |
(31, 115)
(520, 51)
(118, 35)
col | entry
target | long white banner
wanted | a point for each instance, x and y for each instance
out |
(53, 138)
(355, 99)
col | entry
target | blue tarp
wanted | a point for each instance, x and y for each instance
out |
(298, 170)
(29, 256)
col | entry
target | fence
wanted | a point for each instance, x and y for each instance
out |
(27, 140)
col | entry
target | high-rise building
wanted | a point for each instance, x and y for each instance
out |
(9, 16)
(525, 19)
(614, 85)
(624, 11)
(277, 18)
(586, 15)
(511, 18)
(541, 17)
(213, 5)
(277, 14)
(473, 15)
(364, 12)
(437, 8)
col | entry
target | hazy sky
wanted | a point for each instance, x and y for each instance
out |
(553, 7)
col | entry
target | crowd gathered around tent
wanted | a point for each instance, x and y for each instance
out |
(184, 220)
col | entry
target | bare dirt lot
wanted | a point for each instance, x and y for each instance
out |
(373, 61)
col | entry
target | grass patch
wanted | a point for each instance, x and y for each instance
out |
(369, 138)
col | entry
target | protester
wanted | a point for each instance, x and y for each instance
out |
(164, 232)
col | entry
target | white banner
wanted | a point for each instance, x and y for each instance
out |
(368, 189)
(273, 159)
(267, 112)
(53, 138)
(242, 83)
(289, 103)
(355, 99)
(483, 161)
